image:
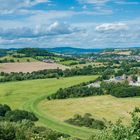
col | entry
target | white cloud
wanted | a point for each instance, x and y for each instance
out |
(84, 7)
(63, 34)
(123, 2)
(60, 28)
(55, 28)
(103, 2)
(111, 26)
(15, 4)
(98, 2)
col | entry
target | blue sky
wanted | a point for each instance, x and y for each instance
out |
(74, 23)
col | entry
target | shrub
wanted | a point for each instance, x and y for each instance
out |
(4, 109)
(19, 115)
(86, 121)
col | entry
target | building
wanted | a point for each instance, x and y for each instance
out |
(117, 79)
(50, 61)
(95, 84)
(137, 83)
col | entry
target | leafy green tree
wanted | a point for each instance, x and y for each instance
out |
(19, 115)
(119, 131)
(4, 109)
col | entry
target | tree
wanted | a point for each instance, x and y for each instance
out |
(119, 131)
(19, 115)
(4, 109)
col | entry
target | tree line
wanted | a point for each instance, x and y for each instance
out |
(75, 92)
(50, 73)
(120, 90)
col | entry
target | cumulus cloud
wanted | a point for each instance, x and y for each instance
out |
(111, 26)
(62, 34)
(61, 28)
(55, 28)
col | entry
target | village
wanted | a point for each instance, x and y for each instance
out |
(123, 78)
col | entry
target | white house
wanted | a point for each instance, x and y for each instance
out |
(137, 83)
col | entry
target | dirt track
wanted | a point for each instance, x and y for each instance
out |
(28, 66)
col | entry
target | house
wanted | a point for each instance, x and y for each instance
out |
(137, 83)
(48, 61)
(95, 84)
(117, 79)
(123, 78)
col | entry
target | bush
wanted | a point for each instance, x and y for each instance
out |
(86, 121)
(126, 92)
(19, 115)
(119, 131)
(4, 109)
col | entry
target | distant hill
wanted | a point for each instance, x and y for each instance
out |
(70, 50)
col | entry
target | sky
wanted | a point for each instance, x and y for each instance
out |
(69, 23)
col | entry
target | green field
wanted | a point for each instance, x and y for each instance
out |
(68, 62)
(94, 64)
(108, 107)
(31, 96)
(23, 59)
(28, 94)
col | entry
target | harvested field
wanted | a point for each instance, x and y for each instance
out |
(28, 66)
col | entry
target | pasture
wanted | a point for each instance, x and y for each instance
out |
(29, 66)
(28, 94)
(31, 95)
(100, 107)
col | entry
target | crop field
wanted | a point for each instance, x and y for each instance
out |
(100, 107)
(29, 66)
(28, 94)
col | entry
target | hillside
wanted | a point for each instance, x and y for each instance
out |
(71, 50)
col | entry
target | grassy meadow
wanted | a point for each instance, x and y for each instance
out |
(100, 107)
(17, 93)
(28, 94)
(31, 95)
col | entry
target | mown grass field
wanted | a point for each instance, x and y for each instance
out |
(28, 94)
(31, 96)
(100, 107)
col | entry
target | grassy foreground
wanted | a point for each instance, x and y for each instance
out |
(28, 94)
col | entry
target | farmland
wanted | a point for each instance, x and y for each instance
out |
(28, 66)
(52, 113)
(18, 59)
(34, 91)
(53, 103)
(106, 106)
